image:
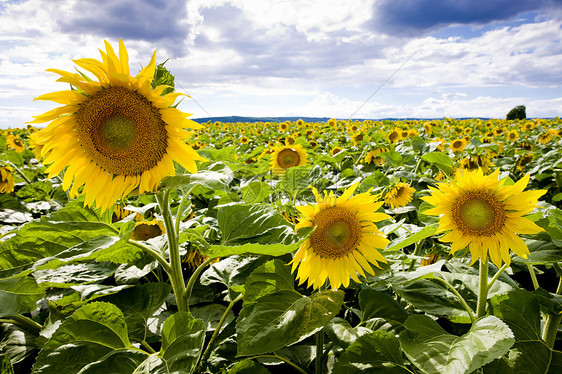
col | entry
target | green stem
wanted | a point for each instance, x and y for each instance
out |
(181, 207)
(497, 275)
(319, 351)
(417, 251)
(483, 292)
(533, 276)
(146, 346)
(552, 321)
(161, 260)
(281, 358)
(25, 323)
(193, 279)
(20, 172)
(175, 274)
(459, 296)
(207, 351)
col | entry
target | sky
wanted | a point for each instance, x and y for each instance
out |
(312, 58)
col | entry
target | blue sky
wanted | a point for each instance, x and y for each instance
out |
(458, 58)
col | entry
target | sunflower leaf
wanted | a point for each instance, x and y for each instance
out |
(439, 159)
(19, 295)
(283, 318)
(433, 350)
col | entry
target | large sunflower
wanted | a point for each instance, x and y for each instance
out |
(345, 239)
(286, 157)
(399, 195)
(485, 214)
(114, 134)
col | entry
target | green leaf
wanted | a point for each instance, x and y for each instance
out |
(182, 342)
(377, 352)
(217, 177)
(272, 276)
(248, 367)
(298, 178)
(121, 361)
(211, 314)
(542, 252)
(232, 272)
(256, 192)
(74, 274)
(16, 344)
(376, 304)
(138, 304)
(441, 160)
(392, 157)
(244, 223)
(340, 332)
(89, 334)
(433, 350)
(426, 232)
(221, 251)
(283, 318)
(19, 295)
(521, 311)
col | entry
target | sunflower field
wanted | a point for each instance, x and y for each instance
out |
(135, 240)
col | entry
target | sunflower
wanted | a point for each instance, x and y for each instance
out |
(394, 135)
(345, 239)
(485, 214)
(244, 140)
(147, 230)
(286, 157)
(6, 179)
(14, 142)
(283, 126)
(524, 161)
(457, 145)
(512, 135)
(336, 150)
(477, 161)
(333, 123)
(115, 134)
(399, 195)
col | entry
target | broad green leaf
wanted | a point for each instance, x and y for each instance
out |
(118, 361)
(182, 342)
(256, 192)
(393, 158)
(377, 352)
(19, 295)
(221, 251)
(252, 223)
(441, 160)
(433, 350)
(211, 314)
(340, 332)
(542, 252)
(74, 274)
(232, 272)
(376, 304)
(248, 367)
(86, 336)
(283, 318)
(298, 178)
(520, 310)
(16, 344)
(138, 304)
(552, 224)
(217, 177)
(398, 244)
(272, 276)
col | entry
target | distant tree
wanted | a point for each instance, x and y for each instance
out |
(517, 113)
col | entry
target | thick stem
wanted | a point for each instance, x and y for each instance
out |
(319, 352)
(483, 293)
(176, 275)
(417, 251)
(552, 321)
(24, 322)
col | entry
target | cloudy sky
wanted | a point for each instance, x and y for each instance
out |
(327, 58)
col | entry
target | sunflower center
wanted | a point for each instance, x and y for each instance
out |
(337, 233)
(479, 213)
(287, 158)
(121, 131)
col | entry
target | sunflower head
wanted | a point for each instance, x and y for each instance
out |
(399, 195)
(147, 230)
(114, 133)
(457, 145)
(286, 157)
(345, 238)
(485, 214)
